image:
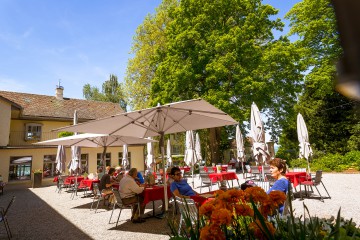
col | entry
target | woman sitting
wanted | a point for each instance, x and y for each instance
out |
(179, 187)
(278, 170)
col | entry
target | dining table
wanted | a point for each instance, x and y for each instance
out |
(296, 177)
(90, 182)
(152, 194)
(224, 176)
(224, 168)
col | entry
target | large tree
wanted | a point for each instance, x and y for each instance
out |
(329, 116)
(112, 91)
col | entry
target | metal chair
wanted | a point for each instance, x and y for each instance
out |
(121, 205)
(188, 211)
(97, 194)
(314, 182)
(3, 217)
(206, 181)
(78, 186)
(255, 172)
(263, 184)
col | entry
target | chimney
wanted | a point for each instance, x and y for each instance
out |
(59, 92)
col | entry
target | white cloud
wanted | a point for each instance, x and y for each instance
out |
(11, 85)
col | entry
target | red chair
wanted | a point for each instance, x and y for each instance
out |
(316, 181)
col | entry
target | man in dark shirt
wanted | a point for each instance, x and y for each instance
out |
(106, 183)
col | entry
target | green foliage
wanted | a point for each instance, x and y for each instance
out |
(112, 91)
(336, 162)
(65, 134)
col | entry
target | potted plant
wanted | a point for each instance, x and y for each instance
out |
(37, 178)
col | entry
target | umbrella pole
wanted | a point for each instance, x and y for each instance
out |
(242, 167)
(164, 170)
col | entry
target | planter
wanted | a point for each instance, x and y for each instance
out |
(37, 179)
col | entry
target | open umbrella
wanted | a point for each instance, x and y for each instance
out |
(303, 137)
(240, 148)
(168, 153)
(125, 160)
(158, 121)
(198, 147)
(60, 159)
(95, 140)
(258, 135)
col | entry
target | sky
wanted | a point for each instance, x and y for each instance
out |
(76, 42)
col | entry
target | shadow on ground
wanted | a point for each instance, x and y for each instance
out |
(32, 218)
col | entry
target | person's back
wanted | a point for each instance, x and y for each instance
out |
(128, 187)
(105, 179)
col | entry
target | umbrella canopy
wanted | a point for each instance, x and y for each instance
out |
(60, 159)
(258, 134)
(125, 160)
(168, 153)
(190, 156)
(303, 137)
(240, 147)
(198, 147)
(158, 121)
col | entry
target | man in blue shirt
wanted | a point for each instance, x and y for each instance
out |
(179, 187)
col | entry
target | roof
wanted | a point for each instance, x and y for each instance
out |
(48, 107)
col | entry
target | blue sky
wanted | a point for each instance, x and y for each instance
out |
(79, 42)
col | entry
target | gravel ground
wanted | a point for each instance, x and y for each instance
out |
(41, 213)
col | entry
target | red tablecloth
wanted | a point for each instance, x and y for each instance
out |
(223, 176)
(71, 180)
(223, 168)
(296, 177)
(90, 182)
(200, 200)
(186, 169)
(154, 193)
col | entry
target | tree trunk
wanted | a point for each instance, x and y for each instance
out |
(214, 138)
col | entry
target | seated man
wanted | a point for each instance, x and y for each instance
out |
(105, 184)
(179, 187)
(129, 191)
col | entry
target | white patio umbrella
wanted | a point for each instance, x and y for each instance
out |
(240, 148)
(150, 159)
(190, 155)
(303, 137)
(158, 121)
(168, 153)
(125, 160)
(96, 140)
(60, 159)
(198, 147)
(258, 135)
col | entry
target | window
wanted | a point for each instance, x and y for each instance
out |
(20, 168)
(107, 159)
(121, 156)
(49, 169)
(85, 163)
(177, 150)
(33, 131)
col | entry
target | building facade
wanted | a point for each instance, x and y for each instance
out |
(29, 118)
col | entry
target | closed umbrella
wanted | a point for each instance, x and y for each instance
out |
(150, 159)
(240, 148)
(198, 147)
(60, 159)
(258, 134)
(158, 121)
(190, 155)
(168, 153)
(75, 165)
(125, 160)
(303, 137)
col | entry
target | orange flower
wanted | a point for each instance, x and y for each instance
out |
(277, 197)
(243, 210)
(257, 194)
(207, 208)
(211, 232)
(221, 216)
(259, 231)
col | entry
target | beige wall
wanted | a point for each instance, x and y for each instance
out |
(5, 117)
(137, 157)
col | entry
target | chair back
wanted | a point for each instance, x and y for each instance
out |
(96, 189)
(8, 206)
(266, 169)
(264, 185)
(187, 208)
(201, 169)
(60, 181)
(318, 177)
(205, 177)
(117, 197)
(254, 169)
